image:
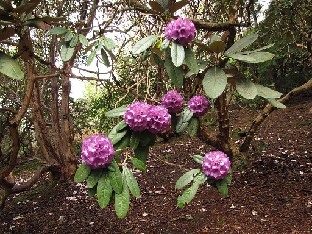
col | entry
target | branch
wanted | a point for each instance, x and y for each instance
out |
(268, 110)
(33, 180)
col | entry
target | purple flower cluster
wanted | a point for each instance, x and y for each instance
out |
(173, 101)
(141, 116)
(216, 165)
(199, 105)
(181, 31)
(97, 151)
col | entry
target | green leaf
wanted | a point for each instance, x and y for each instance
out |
(94, 177)
(175, 73)
(256, 57)
(193, 126)
(68, 35)
(116, 112)
(222, 187)
(122, 202)
(67, 52)
(10, 67)
(74, 41)
(140, 157)
(266, 92)
(276, 103)
(177, 54)
(214, 82)
(104, 191)
(132, 182)
(105, 58)
(134, 140)
(115, 178)
(83, 40)
(91, 57)
(241, 44)
(164, 44)
(163, 3)
(115, 135)
(144, 44)
(246, 88)
(188, 195)
(57, 31)
(260, 49)
(198, 158)
(190, 60)
(183, 120)
(186, 178)
(82, 173)
(108, 43)
(228, 179)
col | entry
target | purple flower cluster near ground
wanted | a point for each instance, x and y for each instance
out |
(97, 151)
(216, 165)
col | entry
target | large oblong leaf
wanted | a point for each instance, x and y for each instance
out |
(214, 82)
(94, 177)
(119, 111)
(193, 126)
(177, 54)
(131, 182)
(144, 44)
(276, 103)
(122, 202)
(186, 178)
(183, 120)
(104, 191)
(115, 178)
(190, 60)
(254, 57)
(67, 52)
(266, 92)
(246, 88)
(241, 44)
(10, 67)
(82, 173)
(175, 73)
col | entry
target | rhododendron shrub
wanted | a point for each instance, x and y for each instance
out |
(214, 81)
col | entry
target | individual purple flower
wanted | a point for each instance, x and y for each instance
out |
(173, 101)
(136, 116)
(182, 31)
(216, 165)
(199, 105)
(160, 119)
(97, 151)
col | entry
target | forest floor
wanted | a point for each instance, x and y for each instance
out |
(272, 194)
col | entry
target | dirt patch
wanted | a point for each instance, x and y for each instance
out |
(273, 194)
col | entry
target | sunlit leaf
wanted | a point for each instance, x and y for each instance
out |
(119, 111)
(266, 92)
(255, 57)
(108, 43)
(198, 158)
(177, 54)
(214, 82)
(57, 31)
(276, 103)
(144, 44)
(68, 36)
(91, 57)
(10, 67)
(74, 41)
(67, 52)
(83, 40)
(241, 44)
(246, 88)
(164, 44)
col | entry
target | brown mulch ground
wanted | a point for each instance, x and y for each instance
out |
(273, 194)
